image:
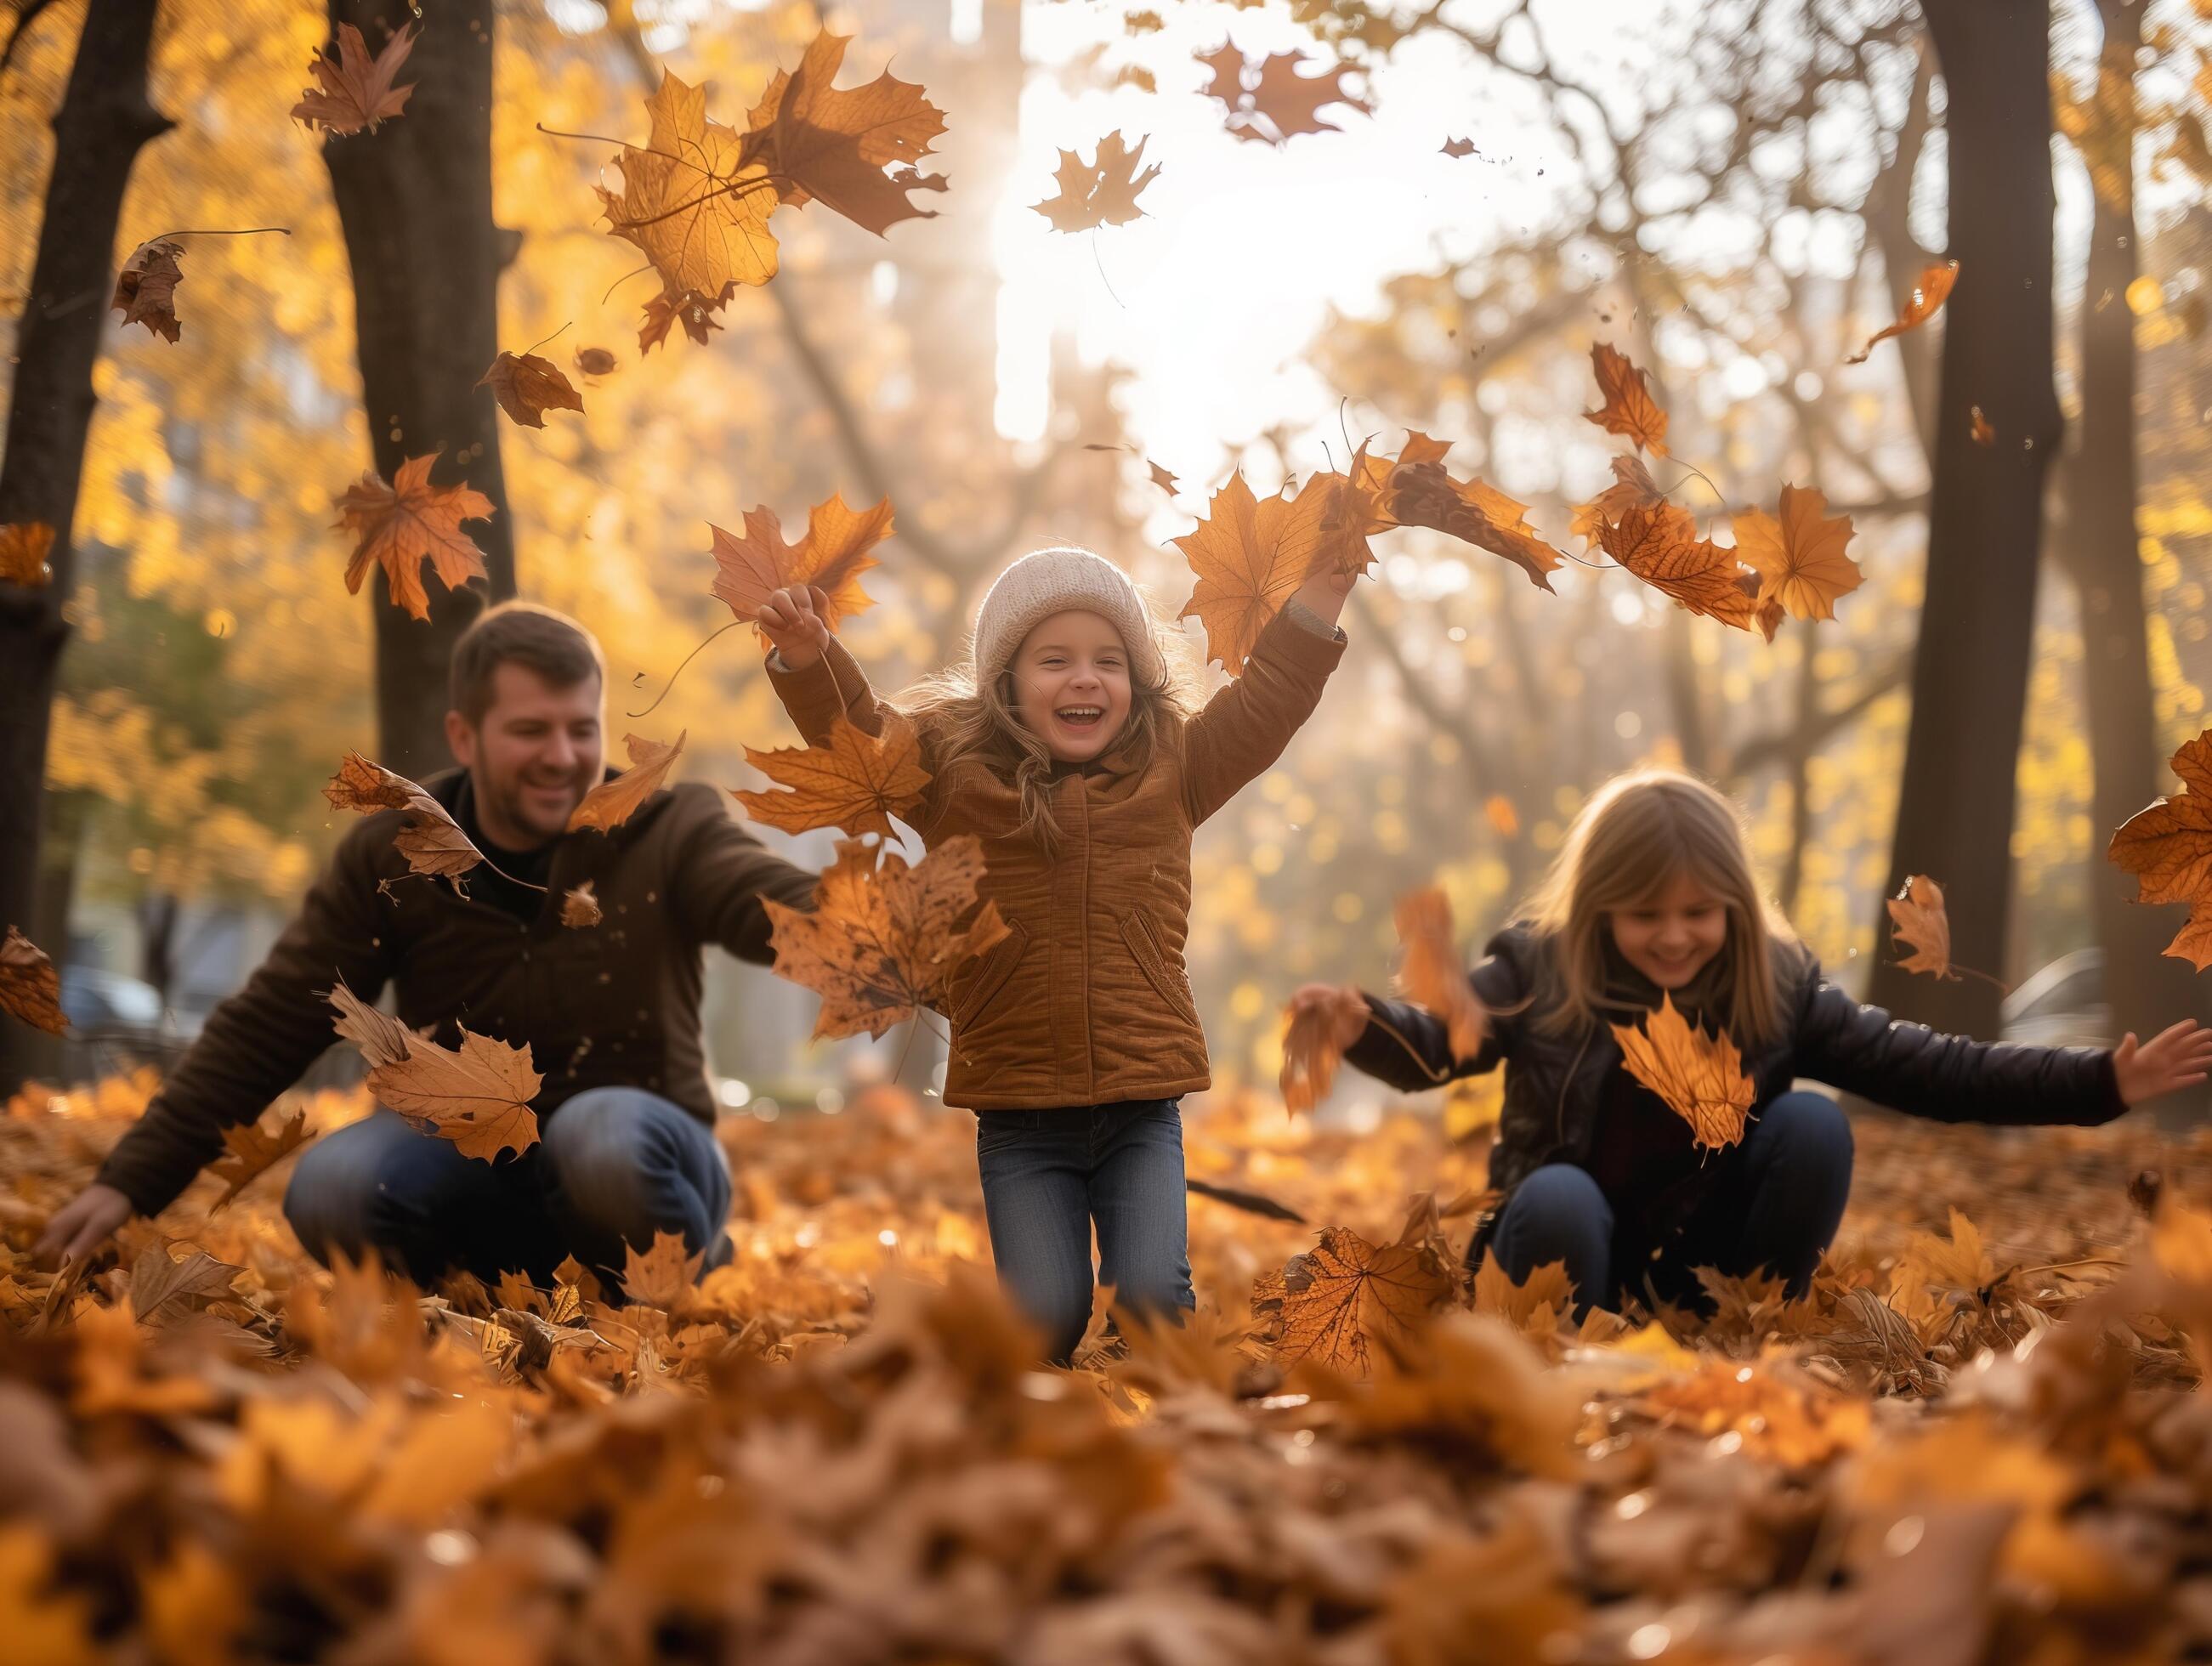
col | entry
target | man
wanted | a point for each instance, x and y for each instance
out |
(609, 1012)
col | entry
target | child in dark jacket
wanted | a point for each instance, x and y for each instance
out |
(1652, 896)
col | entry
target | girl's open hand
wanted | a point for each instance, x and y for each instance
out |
(1344, 1007)
(792, 620)
(2177, 1056)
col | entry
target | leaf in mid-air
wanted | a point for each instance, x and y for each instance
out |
(853, 780)
(1801, 557)
(1344, 1295)
(1699, 1076)
(24, 547)
(1659, 544)
(248, 1153)
(1922, 302)
(833, 554)
(2168, 848)
(1629, 409)
(1249, 556)
(1921, 923)
(30, 989)
(428, 837)
(1310, 1056)
(856, 149)
(527, 386)
(478, 1097)
(146, 288)
(398, 525)
(354, 91)
(1633, 486)
(614, 801)
(691, 200)
(1432, 975)
(1099, 193)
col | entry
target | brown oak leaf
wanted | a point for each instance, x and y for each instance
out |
(2168, 848)
(614, 800)
(527, 386)
(1432, 975)
(24, 547)
(1700, 1076)
(832, 555)
(855, 780)
(692, 201)
(477, 1097)
(1801, 558)
(1249, 556)
(1345, 1296)
(249, 1153)
(1659, 544)
(1100, 193)
(355, 91)
(1629, 409)
(855, 149)
(30, 989)
(1922, 302)
(580, 906)
(428, 837)
(884, 943)
(400, 524)
(1632, 485)
(1921, 923)
(146, 288)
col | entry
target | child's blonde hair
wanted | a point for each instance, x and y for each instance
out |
(1638, 832)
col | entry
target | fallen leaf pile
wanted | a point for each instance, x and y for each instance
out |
(837, 1445)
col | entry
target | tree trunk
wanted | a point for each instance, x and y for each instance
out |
(414, 201)
(2096, 543)
(1954, 816)
(106, 115)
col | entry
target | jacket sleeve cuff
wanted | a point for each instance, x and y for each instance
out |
(1310, 622)
(1309, 647)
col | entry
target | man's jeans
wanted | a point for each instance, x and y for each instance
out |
(1048, 1174)
(614, 1166)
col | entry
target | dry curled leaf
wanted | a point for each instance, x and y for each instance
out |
(2168, 848)
(1629, 410)
(354, 91)
(1432, 975)
(1249, 556)
(400, 524)
(692, 201)
(1345, 1296)
(884, 943)
(694, 311)
(854, 780)
(428, 837)
(1310, 1056)
(1922, 302)
(24, 547)
(164, 1288)
(477, 1097)
(30, 989)
(1699, 1076)
(663, 1275)
(146, 288)
(1424, 494)
(832, 555)
(249, 1153)
(1799, 558)
(615, 800)
(594, 361)
(1098, 193)
(580, 906)
(856, 148)
(1633, 486)
(1918, 918)
(527, 386)
(1659, 544)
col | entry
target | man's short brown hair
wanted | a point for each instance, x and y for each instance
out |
(522, 634)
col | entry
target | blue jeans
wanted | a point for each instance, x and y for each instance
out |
(1048, 1174)
(613, 1166)
(1774, 1207)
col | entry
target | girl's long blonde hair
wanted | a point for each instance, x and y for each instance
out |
(965, 720)
(1638, 832)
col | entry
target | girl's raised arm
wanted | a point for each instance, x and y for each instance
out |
(812, 673)
(1244, 728)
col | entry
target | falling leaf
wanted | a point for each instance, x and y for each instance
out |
(161, 1287)
(1979, 429)
(1497, 810)
(1227, 62)
(580, 906)
(146, 288)
(355, 91)
(692, 201)
(884, 943)
(1249, 556)
(24, 547)
(2168, 848)
(400, 524)
(478, 1097)
(856, 149)
(1100, 193)
(1659, 544)
(1918, 917)
(614, 800)
(1460, 147)
(594, 361)
(527, 386)
(30, 989)
(1799, 558)
(1632, 487)
(1161, 477)
(428, 837)
(695, 311)
(662, 1276)
(1926, 298)
(1425, 494)
(1344, 1295)
(1629, 409)
(855, 780)
(1433, 973)
(832, 555)
(250, 1153)
(1285, 104)
(1699, 1076)
(1310, 1056)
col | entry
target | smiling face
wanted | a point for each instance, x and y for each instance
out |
(1072, 685)
(531, 760)
(1669, 937)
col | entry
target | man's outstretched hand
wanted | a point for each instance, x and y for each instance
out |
(2177, 1056)
(82, 1225)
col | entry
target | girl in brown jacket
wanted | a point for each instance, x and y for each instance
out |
(1065, 747)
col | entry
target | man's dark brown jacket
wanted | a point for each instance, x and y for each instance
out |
(611, 1005)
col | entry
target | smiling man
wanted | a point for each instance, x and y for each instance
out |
(609, 1012)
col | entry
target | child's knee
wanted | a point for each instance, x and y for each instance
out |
(1812, 1126)
(1557, 1195)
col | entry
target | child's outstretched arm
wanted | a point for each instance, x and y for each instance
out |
(1244, 728)
(1408, 1047)
(812, 673)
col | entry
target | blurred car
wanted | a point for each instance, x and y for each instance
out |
(2061, 1005)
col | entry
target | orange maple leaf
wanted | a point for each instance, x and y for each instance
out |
(1249, 556)
(615, 800)
(693, 202)
(1799, 558)
(1659, 544)
(355, 90)
(146, 288)
(580, 906)
(1631, 485)
(884, 943)
(24, 547)
(30, 989)
(477, 1097)
(661, 1276)
(1100, 193)
(832, 555)
(400, 524)
(428, 837)
(1345, 1296)
(1922, 302)
(249, 1153)
(1699, 1076)
(1922, 924)
(2168, 848)
(1629, 409)
(527, 386)
(855, 780)
(856, 149)
(1432, 975)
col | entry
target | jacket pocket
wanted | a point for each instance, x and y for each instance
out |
(997, 965)
(1169, 981)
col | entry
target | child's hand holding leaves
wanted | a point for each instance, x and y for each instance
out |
(1339, 1006)
(2177, 1056)
(792, 619)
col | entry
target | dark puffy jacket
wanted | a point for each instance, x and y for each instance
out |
(1554, 1083)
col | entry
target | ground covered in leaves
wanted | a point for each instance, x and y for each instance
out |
(1980, 1440)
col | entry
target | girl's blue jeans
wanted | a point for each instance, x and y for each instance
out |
(1048, 1175)
(1774, 1207)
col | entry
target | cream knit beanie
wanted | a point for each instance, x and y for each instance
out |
(1050, 582)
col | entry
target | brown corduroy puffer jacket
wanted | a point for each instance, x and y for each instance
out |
(1087, 1002)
